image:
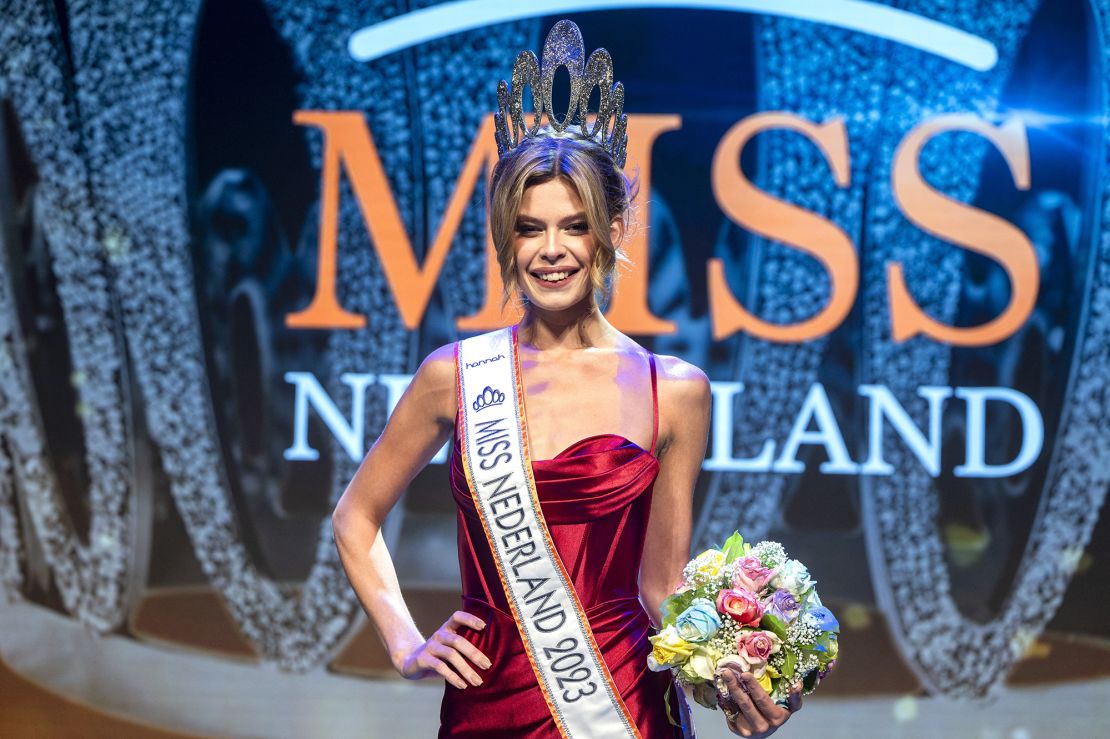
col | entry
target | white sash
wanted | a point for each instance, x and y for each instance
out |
(569, 668)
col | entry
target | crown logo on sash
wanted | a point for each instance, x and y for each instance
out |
(488, 398)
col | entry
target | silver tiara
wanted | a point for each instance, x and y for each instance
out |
(563, 48)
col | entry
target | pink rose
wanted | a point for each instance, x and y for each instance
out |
(750, 574)
(741, 605)
(756, 647)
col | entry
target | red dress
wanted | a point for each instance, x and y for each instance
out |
(595, 496)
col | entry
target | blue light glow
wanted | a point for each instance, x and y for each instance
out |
(420, 26)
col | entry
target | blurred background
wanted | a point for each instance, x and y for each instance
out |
(183, 398)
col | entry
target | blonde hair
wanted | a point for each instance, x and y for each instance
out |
(606, 194)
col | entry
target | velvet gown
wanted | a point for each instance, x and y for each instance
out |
(595, 496)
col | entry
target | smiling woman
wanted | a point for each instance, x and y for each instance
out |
(543, 227)
(553, 243)
(565, 556)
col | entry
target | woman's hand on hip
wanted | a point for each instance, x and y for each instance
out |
(446, 653)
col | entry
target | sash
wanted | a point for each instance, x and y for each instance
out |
(557, 638)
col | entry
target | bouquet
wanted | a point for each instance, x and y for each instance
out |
(749, 606)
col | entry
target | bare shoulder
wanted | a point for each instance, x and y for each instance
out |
(433, 385)
(438, 367)
(681, 380)
(685, 404)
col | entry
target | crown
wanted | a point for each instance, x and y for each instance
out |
(488, 397)
(563, 48)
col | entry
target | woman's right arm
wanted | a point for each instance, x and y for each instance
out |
(421, 423)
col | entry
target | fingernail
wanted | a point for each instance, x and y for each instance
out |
(479, 681)
(481, 624)
(486, 664)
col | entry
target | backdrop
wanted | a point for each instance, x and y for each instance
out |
(232, 230)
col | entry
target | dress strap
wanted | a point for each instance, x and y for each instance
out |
(654, 404)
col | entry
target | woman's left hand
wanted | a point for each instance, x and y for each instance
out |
(748, 709)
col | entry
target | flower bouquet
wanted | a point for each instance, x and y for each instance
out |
(749, 606)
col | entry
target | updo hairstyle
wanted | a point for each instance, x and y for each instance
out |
(606, 194)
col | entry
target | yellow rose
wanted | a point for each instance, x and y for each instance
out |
(710, 563)
(701, 664)
(668, 648)
(763, 675)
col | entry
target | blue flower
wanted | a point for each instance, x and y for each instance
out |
(822, 618)
(699, 622)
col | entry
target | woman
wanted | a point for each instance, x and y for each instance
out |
(616, 438)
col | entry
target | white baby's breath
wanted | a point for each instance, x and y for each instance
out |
(770, 553)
